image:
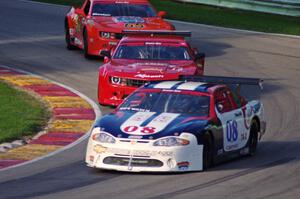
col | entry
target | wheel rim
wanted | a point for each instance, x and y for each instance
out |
(85, 44)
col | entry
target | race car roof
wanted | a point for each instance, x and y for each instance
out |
(181, 85)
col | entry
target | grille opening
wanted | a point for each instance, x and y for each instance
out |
(119, 35)
(135, 82)
(123, 161)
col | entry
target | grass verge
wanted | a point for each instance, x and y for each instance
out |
(20, 114)
(231, 18)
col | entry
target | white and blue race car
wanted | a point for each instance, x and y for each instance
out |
(177, 126)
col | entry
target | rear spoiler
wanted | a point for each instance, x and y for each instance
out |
(223, 80)
(158, 32)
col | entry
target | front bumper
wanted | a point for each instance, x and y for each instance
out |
(96, 45)
(143, 157)
(114, 95)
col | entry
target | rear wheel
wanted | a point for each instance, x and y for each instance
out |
(207, 151)
(68, 37)
(253, 138)
(86, 45)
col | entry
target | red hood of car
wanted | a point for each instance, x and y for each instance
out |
(131, 23)
(150, 70)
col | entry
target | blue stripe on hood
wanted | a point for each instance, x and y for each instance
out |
(112, 122)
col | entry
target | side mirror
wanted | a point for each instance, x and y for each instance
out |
(220, 107)
(200, 56)
(162, 14)
(200, 60)
(195, 51)
(105, 53)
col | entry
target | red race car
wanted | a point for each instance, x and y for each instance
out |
(98, 24)
(144, 56)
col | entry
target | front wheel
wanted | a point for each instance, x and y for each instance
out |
(86, 45)
(207, 151)
(253, 138)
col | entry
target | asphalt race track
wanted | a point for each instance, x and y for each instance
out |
(31, 38)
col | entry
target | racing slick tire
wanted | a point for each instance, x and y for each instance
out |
(253, 138)
(207, 151)
(68, 37)
(86, 45)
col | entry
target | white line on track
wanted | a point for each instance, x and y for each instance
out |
(191, 23)
(86, 135)
(43, 3)
(31, 39)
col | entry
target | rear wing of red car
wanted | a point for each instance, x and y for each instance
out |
(158, 32)
(224, 80)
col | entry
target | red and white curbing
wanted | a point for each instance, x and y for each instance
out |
(73, 114)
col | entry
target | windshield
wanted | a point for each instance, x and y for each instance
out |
(123, 9)
(167, 102)
(152, 52)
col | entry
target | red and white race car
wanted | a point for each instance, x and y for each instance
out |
(144, 56)
(98, 24)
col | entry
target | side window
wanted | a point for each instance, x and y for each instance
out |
(87, 7)
(223, 101)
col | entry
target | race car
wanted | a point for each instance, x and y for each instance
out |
(143, 56)
(98, 24)
(178, 126)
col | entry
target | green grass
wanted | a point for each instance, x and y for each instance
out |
(219, 16)
(20, 114)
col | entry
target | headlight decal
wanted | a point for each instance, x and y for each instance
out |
(101, 136)
(117, 80)
(171, 141)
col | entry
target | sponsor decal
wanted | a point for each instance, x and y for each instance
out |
(153, 43)
(124, 2)
(133, 125)
(244, 136)
(148, 76)
(135, 137)
(256, 107)
(75, 19)
(77, 41)
(92, 158)
(220, 152)
(247, 113)
(166, 153)
(72, 31)
(152, 69)
(183, 165)
(99, 148)
(134, 25)
(112, 43)
(128, 152)
(153, 64)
